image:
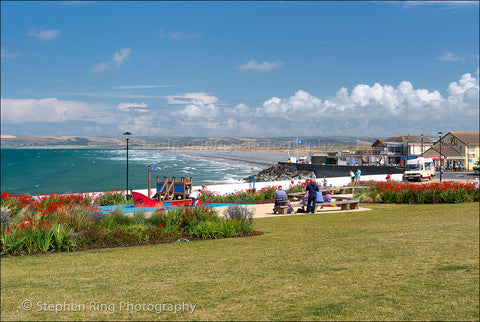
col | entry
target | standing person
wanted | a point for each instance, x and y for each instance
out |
(352, 176)
(312, 189)
(324, 181)
(280, 198)
(292, 184)
(313, 176)
(357, 175)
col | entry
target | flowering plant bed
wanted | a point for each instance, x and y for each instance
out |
(48, 223)
(401, 192)
(264, 195)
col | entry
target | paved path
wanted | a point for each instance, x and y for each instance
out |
(266, 210)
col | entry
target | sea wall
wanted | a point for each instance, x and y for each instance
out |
(333, 170)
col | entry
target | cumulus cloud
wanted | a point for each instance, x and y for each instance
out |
(48, 110)
(253, 64)
(44, 34)
(386, 107)
(375, 109)
(118, 59)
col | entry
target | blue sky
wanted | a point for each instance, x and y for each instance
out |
(239, 68)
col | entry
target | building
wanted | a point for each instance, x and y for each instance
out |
(458, 149)
(396, 149)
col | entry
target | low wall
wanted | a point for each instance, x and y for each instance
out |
(333, 170)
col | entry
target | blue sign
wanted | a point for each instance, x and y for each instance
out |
(151, 168)
(300, 141)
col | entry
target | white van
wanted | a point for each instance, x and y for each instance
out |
(419, 169)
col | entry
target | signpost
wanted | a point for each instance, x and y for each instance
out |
(150, 169)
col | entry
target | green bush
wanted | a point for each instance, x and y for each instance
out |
(238, 212)
(111, 198)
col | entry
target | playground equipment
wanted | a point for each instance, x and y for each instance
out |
(173, 190)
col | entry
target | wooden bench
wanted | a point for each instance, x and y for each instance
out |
(281, 209)
(345, 203)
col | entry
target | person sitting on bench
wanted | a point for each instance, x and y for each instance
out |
(280, 198)
(328, 198)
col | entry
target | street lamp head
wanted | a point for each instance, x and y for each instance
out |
(127, 133)
(440, 133)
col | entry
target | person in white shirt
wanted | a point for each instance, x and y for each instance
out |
(195, 195)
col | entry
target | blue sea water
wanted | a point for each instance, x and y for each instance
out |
(36, 171)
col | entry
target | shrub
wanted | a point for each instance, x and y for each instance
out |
(207, 229)
(4, 219)
(238, 212)
(117, 218)
(139, 217)
(110, 198)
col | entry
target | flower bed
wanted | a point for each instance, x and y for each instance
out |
(264, 195)
(32, 224)
(401, 192)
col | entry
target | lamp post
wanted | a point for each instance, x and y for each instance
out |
(440, 161)
(421, 136)
(127, 134)
(407, 151)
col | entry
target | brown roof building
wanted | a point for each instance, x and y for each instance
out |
(457, 149)
(396, 149)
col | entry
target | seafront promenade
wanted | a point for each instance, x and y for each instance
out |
(232, 188)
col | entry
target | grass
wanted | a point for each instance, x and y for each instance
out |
(396, 262)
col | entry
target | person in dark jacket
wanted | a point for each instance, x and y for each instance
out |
(312, 189)
(280, 198)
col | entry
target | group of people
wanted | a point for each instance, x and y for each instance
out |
(355, 176)
(313, 195)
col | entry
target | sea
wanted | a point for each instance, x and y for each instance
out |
(39, 171)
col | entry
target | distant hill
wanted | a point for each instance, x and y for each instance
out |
(153, 142)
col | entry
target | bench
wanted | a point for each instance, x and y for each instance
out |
(282, 209)
(345, 203)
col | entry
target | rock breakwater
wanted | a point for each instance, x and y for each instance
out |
(280, 172)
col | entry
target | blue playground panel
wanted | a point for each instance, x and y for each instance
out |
(131, 208)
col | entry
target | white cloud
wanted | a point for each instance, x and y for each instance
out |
(121, 56)
(448, 56)
(118, 59)
(376, 110)
(101, 67)
(125, 107)
(190, 97)
(44, 34)
(253, 64)
(48, 110)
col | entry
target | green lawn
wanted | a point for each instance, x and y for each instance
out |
(396, 262)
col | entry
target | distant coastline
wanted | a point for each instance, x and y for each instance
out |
(249, 144)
